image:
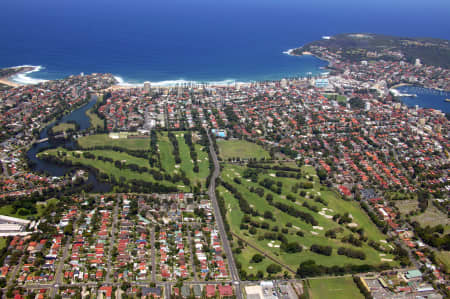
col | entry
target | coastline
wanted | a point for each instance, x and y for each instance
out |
(400, 85)
(7, 81)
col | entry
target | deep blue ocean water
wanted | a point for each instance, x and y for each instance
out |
(199, 40)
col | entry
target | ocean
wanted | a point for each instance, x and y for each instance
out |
(197, 40)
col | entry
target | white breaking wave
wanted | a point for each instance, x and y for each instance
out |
(288, 52)
(169, 83)
(24, 79)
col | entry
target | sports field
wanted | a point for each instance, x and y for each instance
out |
(102, 140)
(230, 149)
(334, 288)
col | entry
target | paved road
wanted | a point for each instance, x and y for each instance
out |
(153, 257)
(192, 251)
(112, 242)
(223, 234)
(60, 267)
(13, 274)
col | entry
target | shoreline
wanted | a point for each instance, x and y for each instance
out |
(400, 85)
(8, 82)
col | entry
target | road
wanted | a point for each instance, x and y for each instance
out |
(112, 242)
(223, 234)
(60, 267)
(153, 257)
(191, 255)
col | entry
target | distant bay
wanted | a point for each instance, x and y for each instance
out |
(425, 98)
(197, 40)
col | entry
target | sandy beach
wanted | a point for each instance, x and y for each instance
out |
(8, 82)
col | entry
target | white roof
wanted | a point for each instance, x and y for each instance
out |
(13, 219)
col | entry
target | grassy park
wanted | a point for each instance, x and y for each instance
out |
(242, 149)
(336, 288)
(63, 127)
(290, 225)
(104, 140)
(102, 145)
(96, 122)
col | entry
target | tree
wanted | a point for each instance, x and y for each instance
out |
(273, 268)
(257, 258)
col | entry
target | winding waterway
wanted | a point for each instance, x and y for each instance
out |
(78, 116)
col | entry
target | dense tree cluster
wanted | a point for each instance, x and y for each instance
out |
(321, 249)
(176, 147)
(192, 152)
(352, 253)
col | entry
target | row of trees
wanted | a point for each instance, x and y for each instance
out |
(176, 147)
(192, 152)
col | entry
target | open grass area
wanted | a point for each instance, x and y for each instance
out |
(187, 165)
(99, 140)
(109, 168)
(444, 258)
(282, 220)
(432, 217)
(165, 152)
(8, 210)
(2, 243)
(245, 257)
(406, 206)
(124, 173)
(336, 288)
(241, 149)
(337, 97)
(96, 122)
(63, 127)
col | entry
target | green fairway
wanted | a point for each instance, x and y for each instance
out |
(8, 210)
(444, 258)
(241, 149)
(63, 127)
(291, 224)
(245, 257)
(336, 288)
(165, 151)
(110, 168)
(187, 165)
(102, 140)
(2, 243)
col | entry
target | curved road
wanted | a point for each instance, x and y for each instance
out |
(223, 234)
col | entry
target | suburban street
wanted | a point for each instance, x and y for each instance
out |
(111, 244)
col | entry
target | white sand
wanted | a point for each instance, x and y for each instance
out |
(314, 233)
(318, 227)
(386, 260)
(325, 215)
(353, 224)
